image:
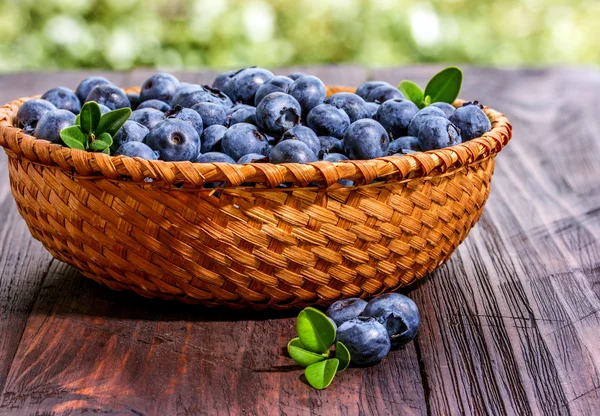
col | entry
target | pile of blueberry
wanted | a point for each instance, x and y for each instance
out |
(251, 116)
(370, 330)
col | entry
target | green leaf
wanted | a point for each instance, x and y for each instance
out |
(300, 355)
(106, 151)
(445, 85)
(315, 330)
(342, 354)
(98, 145)
(73, 137)
(90, 116)
(320, 375)
(77, 119)
(106, 138)
(112, 121)
(427, 101)
(412, 92)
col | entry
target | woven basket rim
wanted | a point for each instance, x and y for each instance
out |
(188, 174)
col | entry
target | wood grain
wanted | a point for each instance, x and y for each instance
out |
(510, 324)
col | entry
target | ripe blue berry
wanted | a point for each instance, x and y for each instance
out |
(331, 145)
(366, 339)
(148, 117)
(335, 157)
(448, 109)
(136, 149)
(277, 113)
(30, 113)
(156, 104)
(471, 121)
(252, 158)
(352, 104)
(295, 75)
(160, 86)
(51, 123)
(88, 84)
(275, 84)
(416, 122)
(365, 88)
(243, 85)
(205, 94)
(328, 120)
(365, 139)
(241, 113)
(110, 95)
(132, 131)
(134, 100)
(309, 91)
(383, 93)
(63, 98)
(398, 314)
(222, 80)
(174, 140)
(188, 115)
(211, 138)
(305, 135)
(395, 116)
(346, 309)
(211, 113)
(292, 151)
(404, 145)
(243, 138)
(213, 157)
(371, 109)
(437, 133)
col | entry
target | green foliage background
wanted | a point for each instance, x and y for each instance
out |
(120, 34)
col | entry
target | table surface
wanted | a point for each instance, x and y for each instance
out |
(510, 325)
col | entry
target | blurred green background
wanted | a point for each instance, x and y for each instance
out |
(121, 34)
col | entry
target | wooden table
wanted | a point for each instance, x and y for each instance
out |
(511, 325)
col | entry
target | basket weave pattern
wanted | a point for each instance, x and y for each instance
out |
(249, 243)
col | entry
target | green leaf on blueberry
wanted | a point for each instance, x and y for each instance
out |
(321, 374)
(443, 87)
(93, 130)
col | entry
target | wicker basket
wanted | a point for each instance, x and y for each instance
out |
(250, 245)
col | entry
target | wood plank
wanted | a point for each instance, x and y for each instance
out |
(512, 320)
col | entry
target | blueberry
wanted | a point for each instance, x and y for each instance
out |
(183, 93)
(252, 158)
(437, 133)
(275, 84)
(346, 309)
(366, 339)
(277, 113)
(395, 116)
(220, 81)
(30, 112)
(104, 109)
(335, 157)
(366, 139)
(136, 149)
(132, 131)
(174, 140)
(292, 151)
(88, 84)
(63, 98)
(134, 100)
(331, 145)
(305, 135)
(243, 138)
(211, 138)
(448, 109)
(309, 91)
(371, 109)
(243, 85)
(188, 115)
(211, 113)
(241, 113)
(416, 122)
(404, 145)
(156, 104)
(328, 120)
(148, 117)
(212, 157)
(471, 121)
(352, 104)
(51, 123)
(383, 93)
(110, 95)
(365, 89)
(295, 75)
(160, 86)
(206, 94)
(398, 314)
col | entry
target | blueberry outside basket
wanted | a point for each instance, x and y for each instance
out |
(249, 243)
